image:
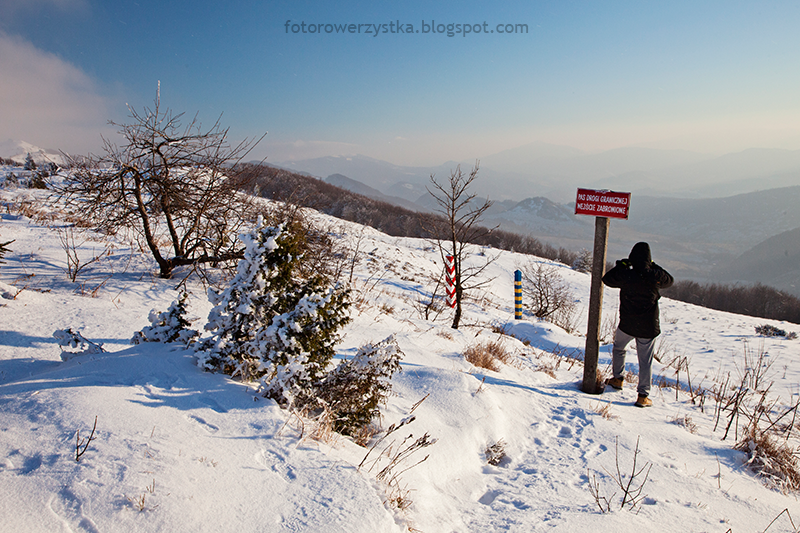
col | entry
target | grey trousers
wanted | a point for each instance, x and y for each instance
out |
(644, 349)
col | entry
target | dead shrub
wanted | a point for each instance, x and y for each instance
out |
(772, 460)
(631, 484)
(499, 329)
(392, 460)
(545, 289)
(495, 453)
(608, 328)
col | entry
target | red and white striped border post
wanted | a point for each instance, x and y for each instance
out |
(450, 277)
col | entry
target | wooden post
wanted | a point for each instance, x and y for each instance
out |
(595, 307)
(517, 295)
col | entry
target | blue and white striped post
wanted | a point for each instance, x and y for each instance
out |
(517, 295)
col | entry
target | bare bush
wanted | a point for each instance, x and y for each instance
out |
(431, 305)
(768, 330)
(583, 263)
(4, 249)
(75, 265)
(548, 295)
(604, 410)
(607, 328)
(567, 317)
(762, 427)
(81, 445)
(631, 485)
(392, 461)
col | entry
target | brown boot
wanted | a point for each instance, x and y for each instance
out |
(643, 401)
(615, 383)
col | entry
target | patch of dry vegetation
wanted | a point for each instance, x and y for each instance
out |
(488, 355)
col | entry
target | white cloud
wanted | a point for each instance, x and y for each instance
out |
(47, 101)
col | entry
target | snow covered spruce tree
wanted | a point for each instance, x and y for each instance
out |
(273, 323)
(356, 388)
(168, 326)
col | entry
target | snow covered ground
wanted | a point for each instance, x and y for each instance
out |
(178, 449)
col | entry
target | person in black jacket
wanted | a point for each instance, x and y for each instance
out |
(639, 280)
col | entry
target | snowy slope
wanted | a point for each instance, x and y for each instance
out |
(19, 150)
(177, 449)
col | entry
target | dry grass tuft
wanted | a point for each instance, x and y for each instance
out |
(499, 329)
(604, 410)
(366, 434)
(685, 421)
(488, 355)
(445, 334)
(547, 367)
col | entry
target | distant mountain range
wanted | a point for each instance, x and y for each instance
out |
(691, 237)
(359, 188)
(774, 262)
(555, 172)
(729, 218)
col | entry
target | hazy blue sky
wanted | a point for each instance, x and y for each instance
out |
(706, 76)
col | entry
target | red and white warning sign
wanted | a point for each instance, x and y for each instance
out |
(450, 277)
(603, 203)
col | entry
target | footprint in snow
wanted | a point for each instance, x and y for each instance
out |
(489, 497)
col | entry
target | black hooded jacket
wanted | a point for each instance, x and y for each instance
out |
(639, 280)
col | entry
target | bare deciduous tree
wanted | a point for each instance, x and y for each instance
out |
(460, 227)
(175, 185)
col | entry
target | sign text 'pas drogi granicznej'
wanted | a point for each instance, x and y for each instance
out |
(602, 203)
